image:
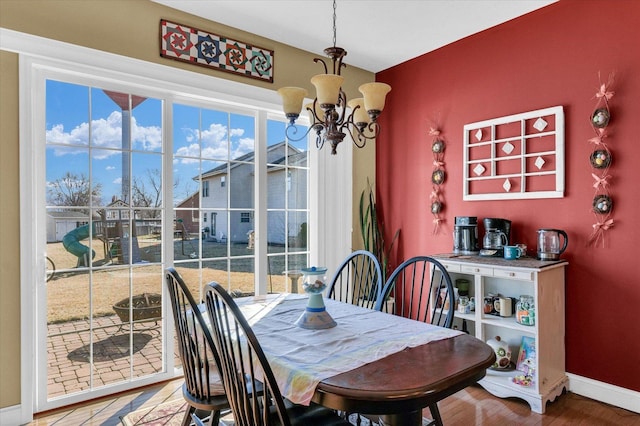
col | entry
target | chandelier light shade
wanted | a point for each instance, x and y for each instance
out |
(328, 111)
(292, 98)
(327, 88)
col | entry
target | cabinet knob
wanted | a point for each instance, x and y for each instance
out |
(476, 270)
(512, 274)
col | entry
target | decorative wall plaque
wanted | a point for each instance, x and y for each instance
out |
(514, 157)
(214, 51)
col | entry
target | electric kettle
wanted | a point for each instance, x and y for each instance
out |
(549, 247)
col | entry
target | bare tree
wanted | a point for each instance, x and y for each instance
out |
(146, 191)
(73, 190)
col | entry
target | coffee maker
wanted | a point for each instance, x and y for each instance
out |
(465, 235)
(497, 234)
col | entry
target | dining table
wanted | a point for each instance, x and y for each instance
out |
(371, 362)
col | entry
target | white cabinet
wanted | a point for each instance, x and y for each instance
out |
(544, 280)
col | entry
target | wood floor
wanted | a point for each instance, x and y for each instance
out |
(472, 406)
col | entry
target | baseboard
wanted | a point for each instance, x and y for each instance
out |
(604, 392)
(11, 416)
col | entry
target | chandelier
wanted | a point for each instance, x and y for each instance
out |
(328, 112)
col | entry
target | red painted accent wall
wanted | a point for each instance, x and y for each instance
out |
(550, 57)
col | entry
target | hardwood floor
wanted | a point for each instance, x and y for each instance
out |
(472, 406)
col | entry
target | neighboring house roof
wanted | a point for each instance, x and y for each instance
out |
(294, 160)
(117, 203)
(189, 199)
(222, 169)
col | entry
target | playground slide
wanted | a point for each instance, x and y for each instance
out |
(71, 243)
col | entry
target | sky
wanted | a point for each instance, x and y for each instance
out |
(84, 134)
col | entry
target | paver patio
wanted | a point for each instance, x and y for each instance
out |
(69, 369)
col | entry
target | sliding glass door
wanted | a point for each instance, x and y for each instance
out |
(134, 183)
(104, 212)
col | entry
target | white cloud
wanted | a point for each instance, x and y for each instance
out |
(106, 133)
(109, 168)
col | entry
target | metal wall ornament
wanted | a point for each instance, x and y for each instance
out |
(437, 179)
(600, 160)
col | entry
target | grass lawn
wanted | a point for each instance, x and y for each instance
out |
(199, 262)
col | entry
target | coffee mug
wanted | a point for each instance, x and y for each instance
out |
(512, 252)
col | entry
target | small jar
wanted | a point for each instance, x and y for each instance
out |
(525, 310)
(463, 286)
(314, 280)
(463, 305)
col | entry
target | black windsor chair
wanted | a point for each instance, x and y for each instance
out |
(422, 290)
(203, 389)
(358, 280)
(243, 361)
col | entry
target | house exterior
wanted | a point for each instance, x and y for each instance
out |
(187, 214)
(285, 188)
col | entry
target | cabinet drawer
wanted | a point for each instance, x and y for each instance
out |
(516, 275)
(478, 270)
(451, 267)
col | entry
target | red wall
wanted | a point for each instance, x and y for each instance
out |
(549, 57)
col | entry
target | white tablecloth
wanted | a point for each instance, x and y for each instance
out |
(301, 358)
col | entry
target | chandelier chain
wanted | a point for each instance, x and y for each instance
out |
(334, 23)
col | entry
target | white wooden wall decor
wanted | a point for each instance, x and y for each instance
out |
(515, 157)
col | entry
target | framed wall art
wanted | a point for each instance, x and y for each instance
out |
(198, 47)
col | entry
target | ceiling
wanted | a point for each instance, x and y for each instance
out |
(377, 34)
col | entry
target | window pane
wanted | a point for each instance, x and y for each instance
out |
(68, 122)
(241, 276)
(298, 232)
(276, 231)
(276, 187)
(214, 174)
(68, 177)
(215, 135)
(186, 131)
(146, 184)
(242, 137)
(146, 125)
(240, 183)
(297, 184)
(109, 110)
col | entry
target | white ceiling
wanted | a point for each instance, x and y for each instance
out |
(377, 34)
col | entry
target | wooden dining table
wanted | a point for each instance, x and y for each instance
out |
(400, 385)
(397, 381)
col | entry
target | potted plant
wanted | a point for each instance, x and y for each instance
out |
(372, 229)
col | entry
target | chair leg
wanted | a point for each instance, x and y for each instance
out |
(435, 414)
(214, 418)
(186, 420)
